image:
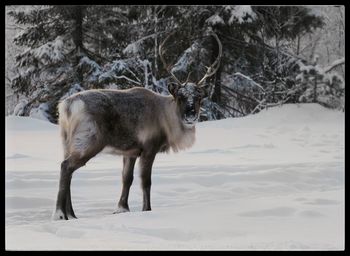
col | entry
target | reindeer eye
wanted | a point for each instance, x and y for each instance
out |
(181, 97)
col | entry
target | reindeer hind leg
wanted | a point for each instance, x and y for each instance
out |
(82, 148)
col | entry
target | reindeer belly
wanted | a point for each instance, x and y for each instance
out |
(132, 152)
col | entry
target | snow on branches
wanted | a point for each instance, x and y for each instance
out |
(317, 84)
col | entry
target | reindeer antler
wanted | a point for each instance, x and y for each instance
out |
(161, 52)
(214, 67)
(210, 70)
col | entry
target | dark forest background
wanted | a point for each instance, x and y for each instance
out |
(271, 54)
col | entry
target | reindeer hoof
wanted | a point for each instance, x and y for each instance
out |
(70, 217)
(59, 215)
(121, 209)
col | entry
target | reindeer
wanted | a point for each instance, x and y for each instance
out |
(133, 123)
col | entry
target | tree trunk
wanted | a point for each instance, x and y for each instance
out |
(216, 97)
(328, 59)
(155, 42)
(277, 45)
(298, 44)
(77, 12)
(276, 67)
(315, 90)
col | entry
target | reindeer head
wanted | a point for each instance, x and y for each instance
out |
(188, 98)
(188, 95)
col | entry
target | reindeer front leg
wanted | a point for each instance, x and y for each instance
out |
(146, 162)
(127, 176)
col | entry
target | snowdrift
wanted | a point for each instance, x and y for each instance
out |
(273, 180)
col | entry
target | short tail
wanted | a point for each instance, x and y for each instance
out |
(70, 112)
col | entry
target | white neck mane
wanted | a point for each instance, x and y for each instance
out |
(179, 136)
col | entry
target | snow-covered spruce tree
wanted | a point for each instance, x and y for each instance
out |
(74, 48)
(148, 27)
(326, 43)
(279, 27)
(320, 85)
(66, 49)
(139, 63)
(189, 51)
(233, 24)
(11, 30)
(256, 68)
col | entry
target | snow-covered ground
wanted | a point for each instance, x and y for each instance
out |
(274, 180)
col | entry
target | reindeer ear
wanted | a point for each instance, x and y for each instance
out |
(173, 88)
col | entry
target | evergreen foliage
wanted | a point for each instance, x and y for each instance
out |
(74, 48)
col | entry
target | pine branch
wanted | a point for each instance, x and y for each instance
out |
(234, 109)
(239, 94)
(93, 55)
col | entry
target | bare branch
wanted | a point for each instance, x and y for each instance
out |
(127, 78)
(335, 64)
(249, 79)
